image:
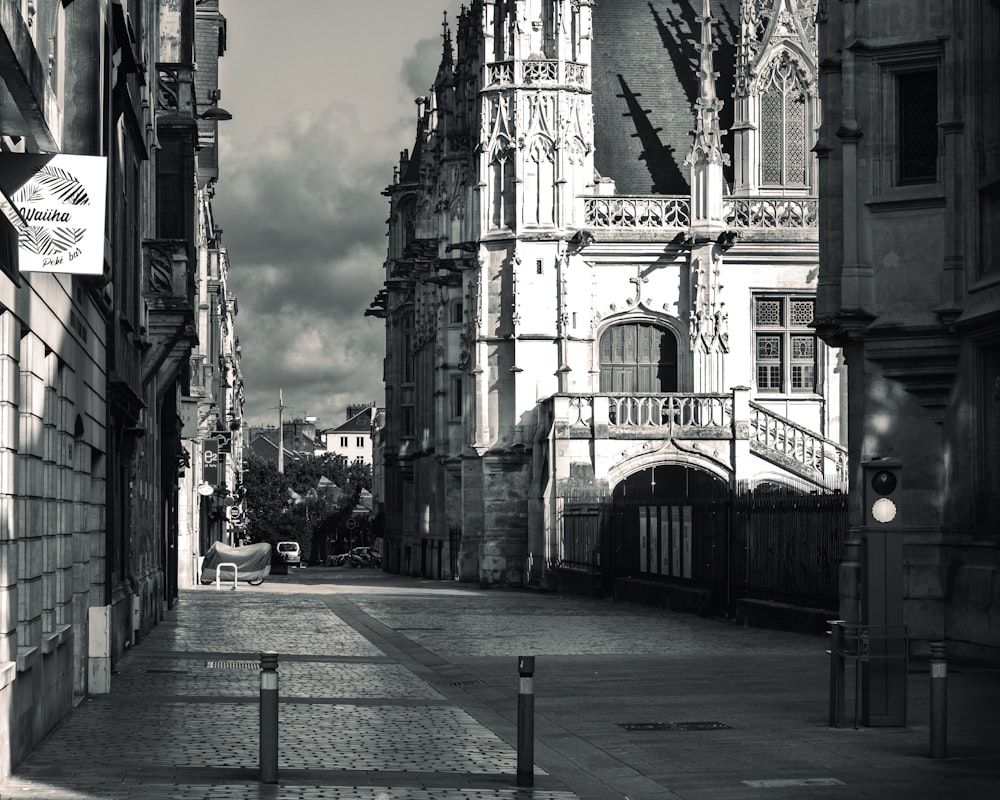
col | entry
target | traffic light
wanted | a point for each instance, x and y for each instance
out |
(883, 485)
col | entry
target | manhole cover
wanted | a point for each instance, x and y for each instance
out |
(232, 665)
(673, 726)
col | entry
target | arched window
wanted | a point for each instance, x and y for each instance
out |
(405, 321)
(404, 343)
(539, 179)
(638, 357)
(407, 222)
(501, 177)
(783, 121)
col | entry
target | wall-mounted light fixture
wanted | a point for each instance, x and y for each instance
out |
(214, 113)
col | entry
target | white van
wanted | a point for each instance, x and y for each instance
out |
(291, 553)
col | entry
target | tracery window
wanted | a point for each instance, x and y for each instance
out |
(783, 122)
(785, 352)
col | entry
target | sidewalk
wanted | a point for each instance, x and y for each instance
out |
(400, 689)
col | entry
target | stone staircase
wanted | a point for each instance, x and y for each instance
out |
(798, 450)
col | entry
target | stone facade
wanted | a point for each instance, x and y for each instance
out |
(909, 172)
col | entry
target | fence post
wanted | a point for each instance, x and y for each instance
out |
(525, 721)
(939, 701)
(269, 717)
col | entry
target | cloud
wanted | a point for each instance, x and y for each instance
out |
(421, 66)
(303, 218)
(307, 189)
(300, 203)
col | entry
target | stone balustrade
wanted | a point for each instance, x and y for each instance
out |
(684, 416)
(536, 71)
(673, 212)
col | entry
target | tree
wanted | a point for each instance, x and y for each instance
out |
(299, 505)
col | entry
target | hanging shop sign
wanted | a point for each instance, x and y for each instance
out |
(210, 462)
(61, 200)
(225, 440)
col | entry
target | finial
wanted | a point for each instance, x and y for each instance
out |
(447, 56)
(707, 145)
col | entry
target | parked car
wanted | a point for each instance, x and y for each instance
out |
(337, 559)
(290, 553)
(364, 557)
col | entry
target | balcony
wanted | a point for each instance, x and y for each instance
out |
(656, 212)
(536, 72)
(175, 102)
(169, 294)
(673, 212)
(692, 418)
(771, 212)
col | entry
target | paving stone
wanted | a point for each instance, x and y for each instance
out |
(398, 689)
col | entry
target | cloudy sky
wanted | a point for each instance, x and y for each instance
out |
(322, 96)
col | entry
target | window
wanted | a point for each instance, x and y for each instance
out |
(905, 139)
(405, 339)
(783, 117)
(456, 397)
(638, 357)
(343, 441)
(917, 96)
(784, 345)
(457, 316)
(360, 441)
(407, 420)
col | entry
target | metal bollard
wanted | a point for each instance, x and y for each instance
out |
(837, 698)
(526, 721)
(939, 701)
(269, 717)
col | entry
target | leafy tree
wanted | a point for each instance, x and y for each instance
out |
(298, 505)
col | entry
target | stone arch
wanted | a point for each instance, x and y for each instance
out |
(668, 519)
(648, 459)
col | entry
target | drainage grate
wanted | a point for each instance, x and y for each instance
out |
(232, 664)
(786, 783)
(474, 682)
(417, 629)
(673, 726)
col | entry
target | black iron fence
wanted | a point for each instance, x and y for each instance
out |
(768, 542)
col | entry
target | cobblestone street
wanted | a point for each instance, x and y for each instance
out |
(400, 689)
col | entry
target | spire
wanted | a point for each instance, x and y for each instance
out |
(445, 71)
(707, 145)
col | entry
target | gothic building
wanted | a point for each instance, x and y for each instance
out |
(600, 290)
(909, 287)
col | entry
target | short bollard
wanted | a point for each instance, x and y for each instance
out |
(526, 721)
(269, 717)
(836, 672)
(939, 701)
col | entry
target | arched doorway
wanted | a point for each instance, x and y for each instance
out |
(669, 537)
(638, 357)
